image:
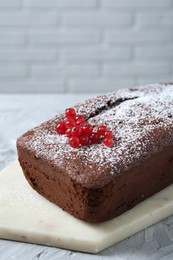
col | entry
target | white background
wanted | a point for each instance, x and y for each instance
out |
(84, 45)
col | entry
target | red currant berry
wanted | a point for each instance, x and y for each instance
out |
(108, 141)
(76, 131)
(84, 139)
(77, 117)
(69, 118)
(108, 134)
(80, 120)
(60, 128)
(87, 129)
(101, 130)
(69, 123)
(94, 138)
(70, 112)
(68, 132)
(74, 142)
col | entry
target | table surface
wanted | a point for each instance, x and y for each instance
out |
(18, 113)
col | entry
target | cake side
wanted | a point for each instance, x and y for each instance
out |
(87, 180)
(101, 204)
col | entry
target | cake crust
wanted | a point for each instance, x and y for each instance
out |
(96, 183)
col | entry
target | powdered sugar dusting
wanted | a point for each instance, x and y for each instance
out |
(141, 126)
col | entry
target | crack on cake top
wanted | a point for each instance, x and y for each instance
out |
(109, 105)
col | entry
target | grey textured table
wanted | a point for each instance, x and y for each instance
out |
(18, 113)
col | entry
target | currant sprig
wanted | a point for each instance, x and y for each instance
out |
(80, 132)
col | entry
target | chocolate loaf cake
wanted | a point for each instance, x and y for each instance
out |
(96, 183)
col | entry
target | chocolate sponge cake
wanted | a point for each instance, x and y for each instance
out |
(96, 183)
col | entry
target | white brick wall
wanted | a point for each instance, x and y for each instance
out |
(84, 45)
(137, 3)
